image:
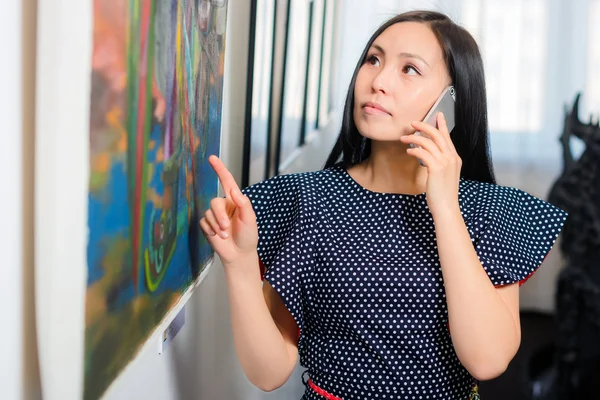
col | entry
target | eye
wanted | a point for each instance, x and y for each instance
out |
(408, 68)
(373, 60)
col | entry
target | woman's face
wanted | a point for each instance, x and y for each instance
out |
(402, 77)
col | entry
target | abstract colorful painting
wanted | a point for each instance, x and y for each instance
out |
(155, 117)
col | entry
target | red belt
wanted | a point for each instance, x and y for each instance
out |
(474, 391)
(320, 391)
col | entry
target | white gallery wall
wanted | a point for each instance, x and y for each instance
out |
(11, 378)
(18, 356)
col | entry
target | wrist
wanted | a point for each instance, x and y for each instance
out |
(246, 268)
(446, 212)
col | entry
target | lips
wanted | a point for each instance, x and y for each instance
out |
(375, 108)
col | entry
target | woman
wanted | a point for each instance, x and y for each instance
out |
(389, 279)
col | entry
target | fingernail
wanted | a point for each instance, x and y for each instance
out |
(224, 235)
(211, 233)
(224, 224)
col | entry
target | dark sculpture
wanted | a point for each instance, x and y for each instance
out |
(574, 370)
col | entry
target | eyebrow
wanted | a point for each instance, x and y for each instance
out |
(403, 54)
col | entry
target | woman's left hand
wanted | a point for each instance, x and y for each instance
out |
(442, 162)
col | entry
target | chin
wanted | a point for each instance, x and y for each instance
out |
(380, 133)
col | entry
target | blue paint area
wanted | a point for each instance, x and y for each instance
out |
(178, 270)
(109, 217)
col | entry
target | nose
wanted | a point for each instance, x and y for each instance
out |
(382, 82)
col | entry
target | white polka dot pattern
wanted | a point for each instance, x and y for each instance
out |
(360, 274)
(283, 219)
(515, 232)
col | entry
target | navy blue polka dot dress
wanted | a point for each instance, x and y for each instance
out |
(360, 273)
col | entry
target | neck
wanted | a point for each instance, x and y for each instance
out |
(390, 169)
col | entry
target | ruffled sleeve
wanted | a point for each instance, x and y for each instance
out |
(516, 231)
(283, 239)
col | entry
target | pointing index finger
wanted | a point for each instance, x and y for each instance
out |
(223, 174)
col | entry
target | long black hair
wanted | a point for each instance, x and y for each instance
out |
(465, 66)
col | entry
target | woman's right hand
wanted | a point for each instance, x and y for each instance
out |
(230, 223)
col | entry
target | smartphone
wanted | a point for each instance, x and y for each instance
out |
(444, 104)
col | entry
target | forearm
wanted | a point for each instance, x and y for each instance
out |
(484, 332)
(266, 358)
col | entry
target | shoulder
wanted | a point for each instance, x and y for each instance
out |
(495, 196)
(490, 201)
(299, 184)
(477, 194)
(292, 195)
(285, 207)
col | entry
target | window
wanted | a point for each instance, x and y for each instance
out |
(512, 38)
